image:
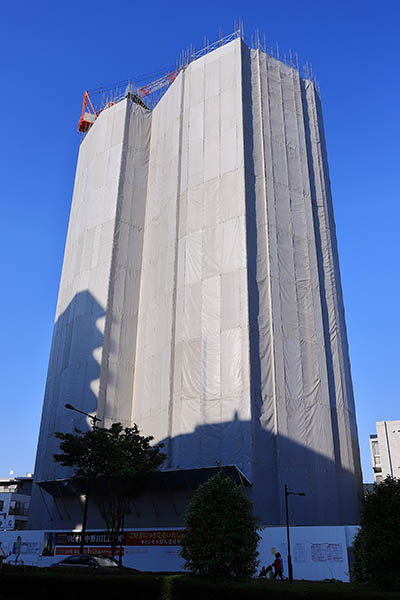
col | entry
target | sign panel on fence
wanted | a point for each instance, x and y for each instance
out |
(69, 542)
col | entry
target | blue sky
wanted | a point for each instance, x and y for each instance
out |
(52, 51)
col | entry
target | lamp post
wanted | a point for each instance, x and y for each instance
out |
(94, 420)
(287, 494)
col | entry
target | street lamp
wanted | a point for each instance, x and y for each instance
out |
(94, 420)
(287, 494)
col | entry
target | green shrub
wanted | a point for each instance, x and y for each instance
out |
(220, 540)
(377, 545)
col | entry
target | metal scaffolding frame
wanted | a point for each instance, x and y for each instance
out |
(149, 93)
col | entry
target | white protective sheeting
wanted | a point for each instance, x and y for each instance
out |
(91, 362)
(302, 401)
(200, 295)
(242, 351)
(192, 372)
(119, 349)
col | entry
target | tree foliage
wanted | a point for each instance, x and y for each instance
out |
(114, 463)
(220, 540)
(377, 545)
(114, 452)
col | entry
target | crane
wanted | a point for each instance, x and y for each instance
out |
(89, 114)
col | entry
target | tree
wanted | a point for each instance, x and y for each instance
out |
(220, 540)
(115, 464)
(377, 545)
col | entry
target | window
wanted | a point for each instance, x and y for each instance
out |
(72, 560)
(376, 453)
(19, 508)
(375, 448)
(106, 561)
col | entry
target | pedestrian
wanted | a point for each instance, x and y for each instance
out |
(278, 567)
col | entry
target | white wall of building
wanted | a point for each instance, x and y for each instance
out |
(385, 450)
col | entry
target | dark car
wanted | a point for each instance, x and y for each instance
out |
(98, 563)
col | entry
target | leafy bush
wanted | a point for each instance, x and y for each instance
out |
(377, 544)
(221, 539)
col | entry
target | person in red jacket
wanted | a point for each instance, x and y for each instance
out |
(278, 566)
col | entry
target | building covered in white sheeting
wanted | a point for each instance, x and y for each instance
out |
(200, 296)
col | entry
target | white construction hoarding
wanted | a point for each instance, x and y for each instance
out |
(318, 553)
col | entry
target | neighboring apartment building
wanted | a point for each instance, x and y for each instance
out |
(15, 495)
(385, 450)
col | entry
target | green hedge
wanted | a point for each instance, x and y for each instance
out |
(60, 586)
(184, 587)
(23, 583)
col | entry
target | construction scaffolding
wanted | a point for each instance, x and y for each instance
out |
(200, 295)
(148, 94)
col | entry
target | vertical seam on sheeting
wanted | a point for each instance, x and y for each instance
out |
(296, 91)
(308, 213)
(184, 252)
(249, 360)
(332, 284)
(220, 332)
(105, 359)
(267, 249)
(175, 272)
(203, 341)
(139, 297)
(269, 274)
(315, 158)
(292, 229)
(311, 253)
(218, 223)
(276, 228)
(278, 476)
(287, 397)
